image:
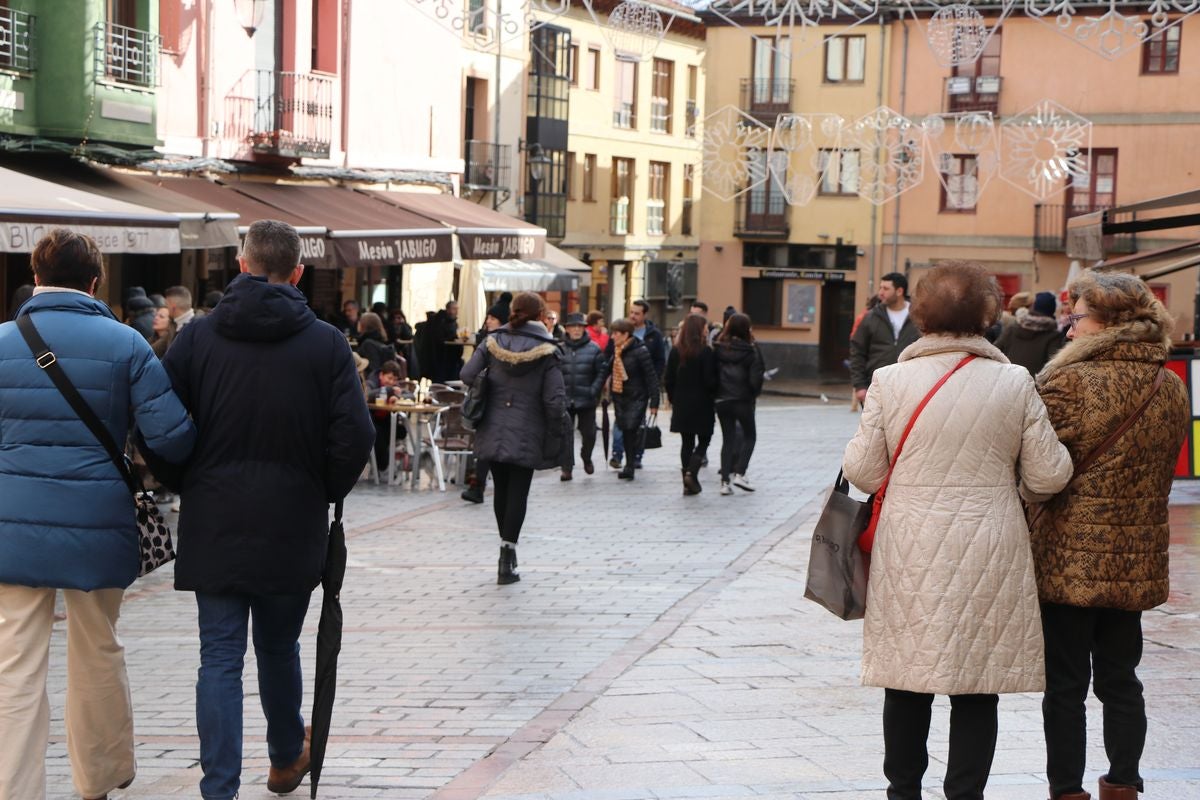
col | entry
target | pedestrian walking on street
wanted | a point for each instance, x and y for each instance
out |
(883, 333)
(952, 602)
(691, 384)
(67, 519)
(1100, 547)
(634, 387)
(523, 425)
(1034, 338)
(645, 331)
(584, 369)
(739, 383)
(179, 302)
(284, 432)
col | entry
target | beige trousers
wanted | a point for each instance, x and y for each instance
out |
(99, 712)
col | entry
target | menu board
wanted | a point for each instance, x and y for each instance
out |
(801, 307)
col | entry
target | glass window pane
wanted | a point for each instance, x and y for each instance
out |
(857, 58)
(835, 56)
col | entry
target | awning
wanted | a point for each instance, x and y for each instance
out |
(1085, 233)
(201, 225)
(314, 251)
(512, 275)
(560, 260)
(1156, 263)
(30, 207)
(363, 231)
(482, 232)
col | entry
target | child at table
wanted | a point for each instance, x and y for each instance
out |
(385, 386)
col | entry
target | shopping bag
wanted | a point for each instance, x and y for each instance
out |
(837, 568)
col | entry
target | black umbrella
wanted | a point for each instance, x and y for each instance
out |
(604, 426)
(329, 644)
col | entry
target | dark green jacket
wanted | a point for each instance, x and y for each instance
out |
(874, 345)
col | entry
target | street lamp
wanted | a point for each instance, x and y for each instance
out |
(249, 14)
(537, 161)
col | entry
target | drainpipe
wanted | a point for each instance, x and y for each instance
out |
(875, 238)
(204, 89)
(496, 118)
(903, 98)
(346, 6)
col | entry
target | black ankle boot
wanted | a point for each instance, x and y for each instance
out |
(627, 473)
(691, 479)
(507, 572)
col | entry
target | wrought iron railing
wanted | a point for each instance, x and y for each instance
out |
(293, 115)
(126, 55)
(488, 165)
(761, 214)
(767, 96)
(1050, 229)
(17, 39)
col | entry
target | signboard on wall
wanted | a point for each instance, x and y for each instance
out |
(800, 304)
(802, 274)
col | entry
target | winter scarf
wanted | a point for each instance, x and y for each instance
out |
(619, 375)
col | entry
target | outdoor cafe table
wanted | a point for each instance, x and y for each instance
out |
(417, 414)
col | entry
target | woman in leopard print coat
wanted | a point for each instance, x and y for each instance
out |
(1100, 546)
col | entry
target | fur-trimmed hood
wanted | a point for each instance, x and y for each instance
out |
(941, 343)
(1036, 323)
(1135, 341)
(521, 349)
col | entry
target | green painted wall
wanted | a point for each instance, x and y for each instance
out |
(12, 121)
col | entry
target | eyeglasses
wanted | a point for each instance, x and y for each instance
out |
(1074, 318)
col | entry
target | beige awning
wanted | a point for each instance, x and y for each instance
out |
(560, 260)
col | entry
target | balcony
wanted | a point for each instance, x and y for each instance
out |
(17, 40)
(126, 55)
(973, 93)
(1050, 229)
(293, 114)
(761, 216)
(487, 166)
(766, 98)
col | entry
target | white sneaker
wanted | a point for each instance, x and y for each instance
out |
(726, 488)
(741, 482)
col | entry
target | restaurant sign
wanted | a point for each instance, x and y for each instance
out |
(803, 274)
(501, 243)
(379, 250)
(20, 237)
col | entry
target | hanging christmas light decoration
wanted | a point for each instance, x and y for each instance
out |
(733, 150)
(635, 29)
(971, 133)
(1113, 33)
(801, 150)
(891, 157)
(1043, 148)
(789, 23)
(957, 32)
(488, 24)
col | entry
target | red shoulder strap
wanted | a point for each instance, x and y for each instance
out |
(908, 428)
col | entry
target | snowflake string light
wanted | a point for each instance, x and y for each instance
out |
(891, 157)
(797, 144)
(635, 29)
(494, 22)
(1113, 33)
(970, 133)
(790, 21)
(1043, 147)
(734, 144)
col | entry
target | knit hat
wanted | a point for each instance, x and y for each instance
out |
(139, 304)
(1044, 304)
(501, 309)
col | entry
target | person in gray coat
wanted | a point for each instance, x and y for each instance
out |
(524, 420)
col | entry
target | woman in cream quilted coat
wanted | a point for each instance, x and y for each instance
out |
(952, 604)
(1101, 546)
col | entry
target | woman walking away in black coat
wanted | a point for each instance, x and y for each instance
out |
(691, 383)
(739, 382)
(634, 385)
(583, 367)
(523, 422)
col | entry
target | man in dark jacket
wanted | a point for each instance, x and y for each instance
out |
(583, 369)
(635, 385)
(883, 333)
(1034, 338)
(656, 346)
(140, 311)
(284, 432)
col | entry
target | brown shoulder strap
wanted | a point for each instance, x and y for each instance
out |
(1104, 446)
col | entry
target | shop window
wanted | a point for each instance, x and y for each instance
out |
(762, 300)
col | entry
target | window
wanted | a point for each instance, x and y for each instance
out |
(122, 12)
(549, 90)
(960, 187)
(839, 172)
(845, 59)
(656, 205)
(1160, 53)
(546, 193)
(685, 217)
(663, 90)
(982, 80)
(573, 65)
(594, 76)
(766, 207)
(569, 176)
(1096, 189)
(477, 16)
(589, 177)
(625, 112)
(693, 107)
(622, 193)
(771, 85)
(324, 36)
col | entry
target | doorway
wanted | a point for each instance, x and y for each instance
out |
(837, 318)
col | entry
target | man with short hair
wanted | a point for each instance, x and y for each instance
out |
(700, 308)
(67, 518)
(286, 432)
(656, 344)
(883, 333)
(179, 305)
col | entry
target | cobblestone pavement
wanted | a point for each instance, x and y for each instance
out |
(657, 647)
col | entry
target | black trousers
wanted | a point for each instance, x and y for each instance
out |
(692, 444)
(584, 420)
(510, 498)
(736, 449)
(906, 733)
(1103, 646)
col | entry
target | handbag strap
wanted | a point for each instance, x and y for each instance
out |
(49, 363)
(912, 420)
(1084, 465)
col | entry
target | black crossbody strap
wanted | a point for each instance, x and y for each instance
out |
(49, 364)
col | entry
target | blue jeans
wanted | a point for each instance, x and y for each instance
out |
(278, 620)
(618, 450)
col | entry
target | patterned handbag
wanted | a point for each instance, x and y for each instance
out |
(155, 547)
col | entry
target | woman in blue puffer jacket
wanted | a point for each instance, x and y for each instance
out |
(67, 519)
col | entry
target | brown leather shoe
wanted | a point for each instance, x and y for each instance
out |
(1113, 791)
(283, 780)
